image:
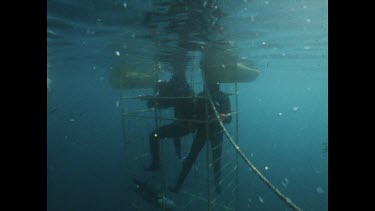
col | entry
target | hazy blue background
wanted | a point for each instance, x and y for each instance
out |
(287, 40)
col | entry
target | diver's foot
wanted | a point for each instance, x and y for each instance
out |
(153, 167)
(173, 189)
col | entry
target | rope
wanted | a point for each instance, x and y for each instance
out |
(243, 156)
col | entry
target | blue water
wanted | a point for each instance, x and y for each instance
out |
(283, 114)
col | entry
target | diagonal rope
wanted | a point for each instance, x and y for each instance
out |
(243, 156)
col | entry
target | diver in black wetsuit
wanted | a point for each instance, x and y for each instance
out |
(177, 86)
(215, 134)
(194, 23)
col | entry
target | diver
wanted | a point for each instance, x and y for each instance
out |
(215, 134)
(153, 196)
(190, 21)
(177, 86)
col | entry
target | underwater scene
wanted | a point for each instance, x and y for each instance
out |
(175, 105)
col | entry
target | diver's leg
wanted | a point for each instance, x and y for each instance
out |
(177, 147)
(216, 147)
(196, 147)
(180, 129)
(154, 150)
(177, 130)
(173, 130)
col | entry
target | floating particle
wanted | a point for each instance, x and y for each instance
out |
(99, 20)
(264, 43)
(266, 2)
(251, 155)
(295, 108)
(252, 18)
(266, 168)
(317, 172)
(260, 199)
(94, 68)
(280, 114)
(72, 120)
(117, 53)
(51, 32)
(133, 35)
(320, 190)
(304, 7)
(117, 104)
(223, 66)
(101, 78)
(88, 31)
(308, 89)
(249, 199)
(283, 54)
(308, 20)
(155, 135)
(307, 47)
(285, 182)
(125, 5)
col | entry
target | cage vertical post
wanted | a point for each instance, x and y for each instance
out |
(237, 142)
(207, 142)
(123, 127)
(160, 143)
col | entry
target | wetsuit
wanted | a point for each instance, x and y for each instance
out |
(183, 109)
(215, 135)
